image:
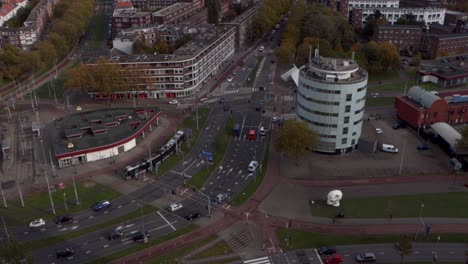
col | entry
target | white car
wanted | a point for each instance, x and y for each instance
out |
(252, 166)
(275, 119)
(378, 130)
(37, 223)
(175, 207)
(262, 48)
(230, 79)
(173, 102)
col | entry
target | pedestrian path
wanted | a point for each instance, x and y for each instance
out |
(231, 91)
(264, 260)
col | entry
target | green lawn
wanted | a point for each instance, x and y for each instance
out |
(38, 205)
(97, 33)
(188, 123)
(37, 244)
(219, 249)
(398, 86)
(303, 239)
(380, 101)
(431, 86)
(383, 76)
(435, 205)
(141, 246)
(253, 73)
(253, 185)
(221, 144)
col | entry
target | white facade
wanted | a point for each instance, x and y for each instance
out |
(330, 98)
(17, 5)
(428, 15)
(373, 3)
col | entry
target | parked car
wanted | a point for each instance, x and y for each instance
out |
(65, 253)
(175, 207)
(226, 107)
(140, 236)
(373, 116)
(101, 205)
(192, 215)
(399, 125)
(37, 223)
(326, 251)
(230, 79)
(378, 130)
(220, 198)
(221, 100)
(389, 148)
(366, 257)
(423, 147)
(335, 259)
(444, 60)
(173, 102)
(275, 119)
(64, 219)
(262, 48)
(114, 235)
(252, 166)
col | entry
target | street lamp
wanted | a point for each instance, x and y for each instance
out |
(435, 252)
(420, 219)
(65, 201)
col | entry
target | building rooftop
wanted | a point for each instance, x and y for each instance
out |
(171, 9)
(129, 12)
(94, 129)
(421, 96)
(337, 70)
(399, 26)
(452, 71)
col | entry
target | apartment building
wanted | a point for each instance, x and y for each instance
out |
(152, 4)
(404, 37)
(180, 74)
(440, 45)
(178, 12)
(124, 18)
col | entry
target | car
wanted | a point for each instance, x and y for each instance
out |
(101, 205)
(444, 60)
(230, 79)
(174, 207)
(114, 235)
(226, 107)
(191, 216)
(252, 166)
(251, 65)
(220, 198)
(277, 26)
(373, 116)
(37, 223)
(273, 31)
(423, 147)
(65, 253)
(140, 236)
(366, 257)
(275, 119)
(335, 259)
(262, 48)
(389, 148)
(234, 73)
(173, 102)
(378, 131)
(262, 131)
(64, 219)
(399, 125)
(221, 100)
(326, 251)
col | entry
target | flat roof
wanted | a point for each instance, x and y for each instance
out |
(170, 9)
(99, 128)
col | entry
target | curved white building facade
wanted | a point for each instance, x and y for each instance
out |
(331, 96)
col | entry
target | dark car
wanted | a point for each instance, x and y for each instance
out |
(114, 235)
(101, 205)
(221, 100)
(226, 107)
(326, 251)
(64, 219)
(399, 125)
(423, 147)
(65, 253)
(140, 236)
(191, 216)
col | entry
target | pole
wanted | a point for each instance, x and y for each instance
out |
(196, 114)
(52, 165)
(6, 230)
(65, 201)
(20, 194)
(32, 103)
(48, 189)
(402, 157)
(35, 98)
(74, 189)
(55, 94)
(3, 196)
(68, 102)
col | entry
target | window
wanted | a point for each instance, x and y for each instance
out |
(346, 119)
(349, 97)
(347, 108)
(344, 141)
(353, 141)
(345, 131)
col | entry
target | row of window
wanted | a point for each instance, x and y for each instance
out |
(316, 123)
(301, 84)
(317, 112)
(317, 101)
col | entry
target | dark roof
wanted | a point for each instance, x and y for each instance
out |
(400, 26)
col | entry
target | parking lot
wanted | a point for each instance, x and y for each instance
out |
(364, 162)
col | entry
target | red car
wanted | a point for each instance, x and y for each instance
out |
(335, 259)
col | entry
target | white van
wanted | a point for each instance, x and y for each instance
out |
(252, 166)
(262, 131)
(389, 148)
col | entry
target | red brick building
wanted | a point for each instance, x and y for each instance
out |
(422, 108)
(128, 18)
(404, 37)
(177, 12)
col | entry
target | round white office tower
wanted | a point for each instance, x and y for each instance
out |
(331, 96)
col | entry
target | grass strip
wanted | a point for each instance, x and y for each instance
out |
(382, 76)
(188, 123)
(38, 244)
(218, 249)
(221, 144)
(253, 185)
(399, 206)
(141, 246)
(299, 239)
(379, 101)
(253, 73)
(393, 87)
(171, 258)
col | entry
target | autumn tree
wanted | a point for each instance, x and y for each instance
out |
(13, 252)
(390, 56)
(78, 77)
(462, 143)
(372, 22)
(416, 60)
(405, 246)
(214, 7)
(162, 47)
(373, 56)
(308, 45)
(294, 138)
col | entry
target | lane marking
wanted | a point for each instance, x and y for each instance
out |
(166, 221)
(318, 256)
(89, 251)
(157, 228)
(105, 246)
(120, 206)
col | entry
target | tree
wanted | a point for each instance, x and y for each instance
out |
(462, 143)
(294, 138)
(405, 247)
(373, 56)
(214, 8)
(416, 60)
(390, 56)
(14, 253)
(78, 77)
(162, 47)
(372, 21)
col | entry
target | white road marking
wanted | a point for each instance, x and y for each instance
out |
(321, 262)
(166, 221)
(346, 255)
(133, 201)
(157, 228)
(127, 242)
(416, 252)
(236, 183)
(74, 227)
(120, 206)
(106, 212)
(90, 217)
(452, 252)
(89, 251)
(63, 229)
(105, 246)
(381, 253)
(27, 232)
(184, 191)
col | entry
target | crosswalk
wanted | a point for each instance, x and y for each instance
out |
(231, 91)
(264, 260)
(254, 89)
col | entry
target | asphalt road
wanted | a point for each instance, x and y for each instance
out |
(385, 253)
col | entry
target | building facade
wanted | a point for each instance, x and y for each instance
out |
(446, 76)
(331, 97)
(152, 4)
(404, 37)
(373, 3)
(421, 108)
(178, 12)
(180, 74)
(124, 18)
(435, 46)
(243, 25)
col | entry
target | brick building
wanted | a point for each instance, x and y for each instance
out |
(124, 18)
(421, 108)
(177, 12)
(152, 4)
(404, 37)
(435, 46)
